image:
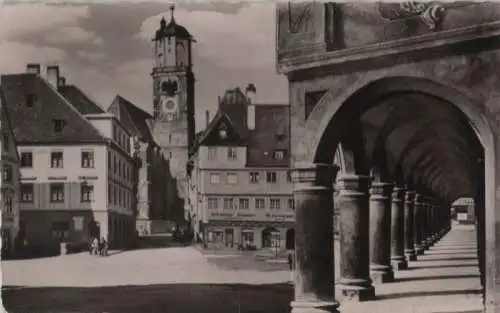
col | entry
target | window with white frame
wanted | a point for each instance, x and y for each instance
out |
(274, 204)
(244, 204)
(291, 204)
(254, 177)
(86, 192)
(87, 159)
(27, 193)
(8, 203)
(26, 159)
(260, 203)
(7, 173)
(60, 230)
(212, 153)
(56, 159)
(232, 178)
(228, 203)
(271, 177)
(232, 154)
(214, 178)
(57, 192)
(279, 154)
(213, 203)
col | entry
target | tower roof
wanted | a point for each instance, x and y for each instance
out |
(172, 29)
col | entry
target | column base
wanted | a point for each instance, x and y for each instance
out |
(410, 255)
(419, 250)
(382, 275)
(301, 306)
(354, 291)
(399, 263)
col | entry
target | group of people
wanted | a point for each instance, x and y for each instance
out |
(98, 246)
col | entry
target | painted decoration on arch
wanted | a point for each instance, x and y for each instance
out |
(299, 15)
(431, 13)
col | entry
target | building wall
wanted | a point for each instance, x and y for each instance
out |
(152, 197)
(45, 220)
(10, 188)
(203, 192)
(217, 157)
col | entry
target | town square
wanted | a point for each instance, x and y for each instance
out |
(303, 157)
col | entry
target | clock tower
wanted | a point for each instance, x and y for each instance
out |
(173, 93)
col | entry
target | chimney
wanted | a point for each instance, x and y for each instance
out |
(62, 81)
(33, 68)
(53, 75)
(207, 118)
(251, 93)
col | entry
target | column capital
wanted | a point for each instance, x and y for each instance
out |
(380, 190)
(418, 199)
(314, 175)
(409, 195)
(398, 194)
(353, 184)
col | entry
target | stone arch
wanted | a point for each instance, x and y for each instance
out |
(333, 116)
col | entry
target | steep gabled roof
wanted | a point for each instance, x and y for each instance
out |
(33, 124)
(132, 117)
(6, 126)
(80, 100)
(271, 133)
(211, 137)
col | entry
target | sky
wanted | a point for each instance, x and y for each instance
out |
(105, 49)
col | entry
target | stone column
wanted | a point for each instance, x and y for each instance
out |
(380, 233)
(424, 225)
(417, 222)
(430, 223)
(314, 254)
(355, 282)
(409, 226)
(398, 259)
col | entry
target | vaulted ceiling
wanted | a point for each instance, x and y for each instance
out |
(425, 141)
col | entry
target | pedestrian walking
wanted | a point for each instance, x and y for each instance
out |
(290, 265)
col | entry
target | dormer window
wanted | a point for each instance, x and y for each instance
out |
(58, 125)
(30, 100)
(223, 133)
(279, 154)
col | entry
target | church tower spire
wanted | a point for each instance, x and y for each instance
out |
(173, 92)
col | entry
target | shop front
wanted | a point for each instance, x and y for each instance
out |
(251, 235)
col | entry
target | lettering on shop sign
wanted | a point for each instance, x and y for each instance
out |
(219, 214)
(87, 177)
(57, 177)
(279, 216)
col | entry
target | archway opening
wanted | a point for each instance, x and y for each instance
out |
(290, 239)
(416, 135)
(268, 237)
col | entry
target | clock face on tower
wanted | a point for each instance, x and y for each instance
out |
(169, 107)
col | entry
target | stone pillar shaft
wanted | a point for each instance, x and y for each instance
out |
(418, 224)
(398, 259)
(409, 226)
(425, 225)
(380, 233)
(355, 282)
(314, 252)
(430, 222)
